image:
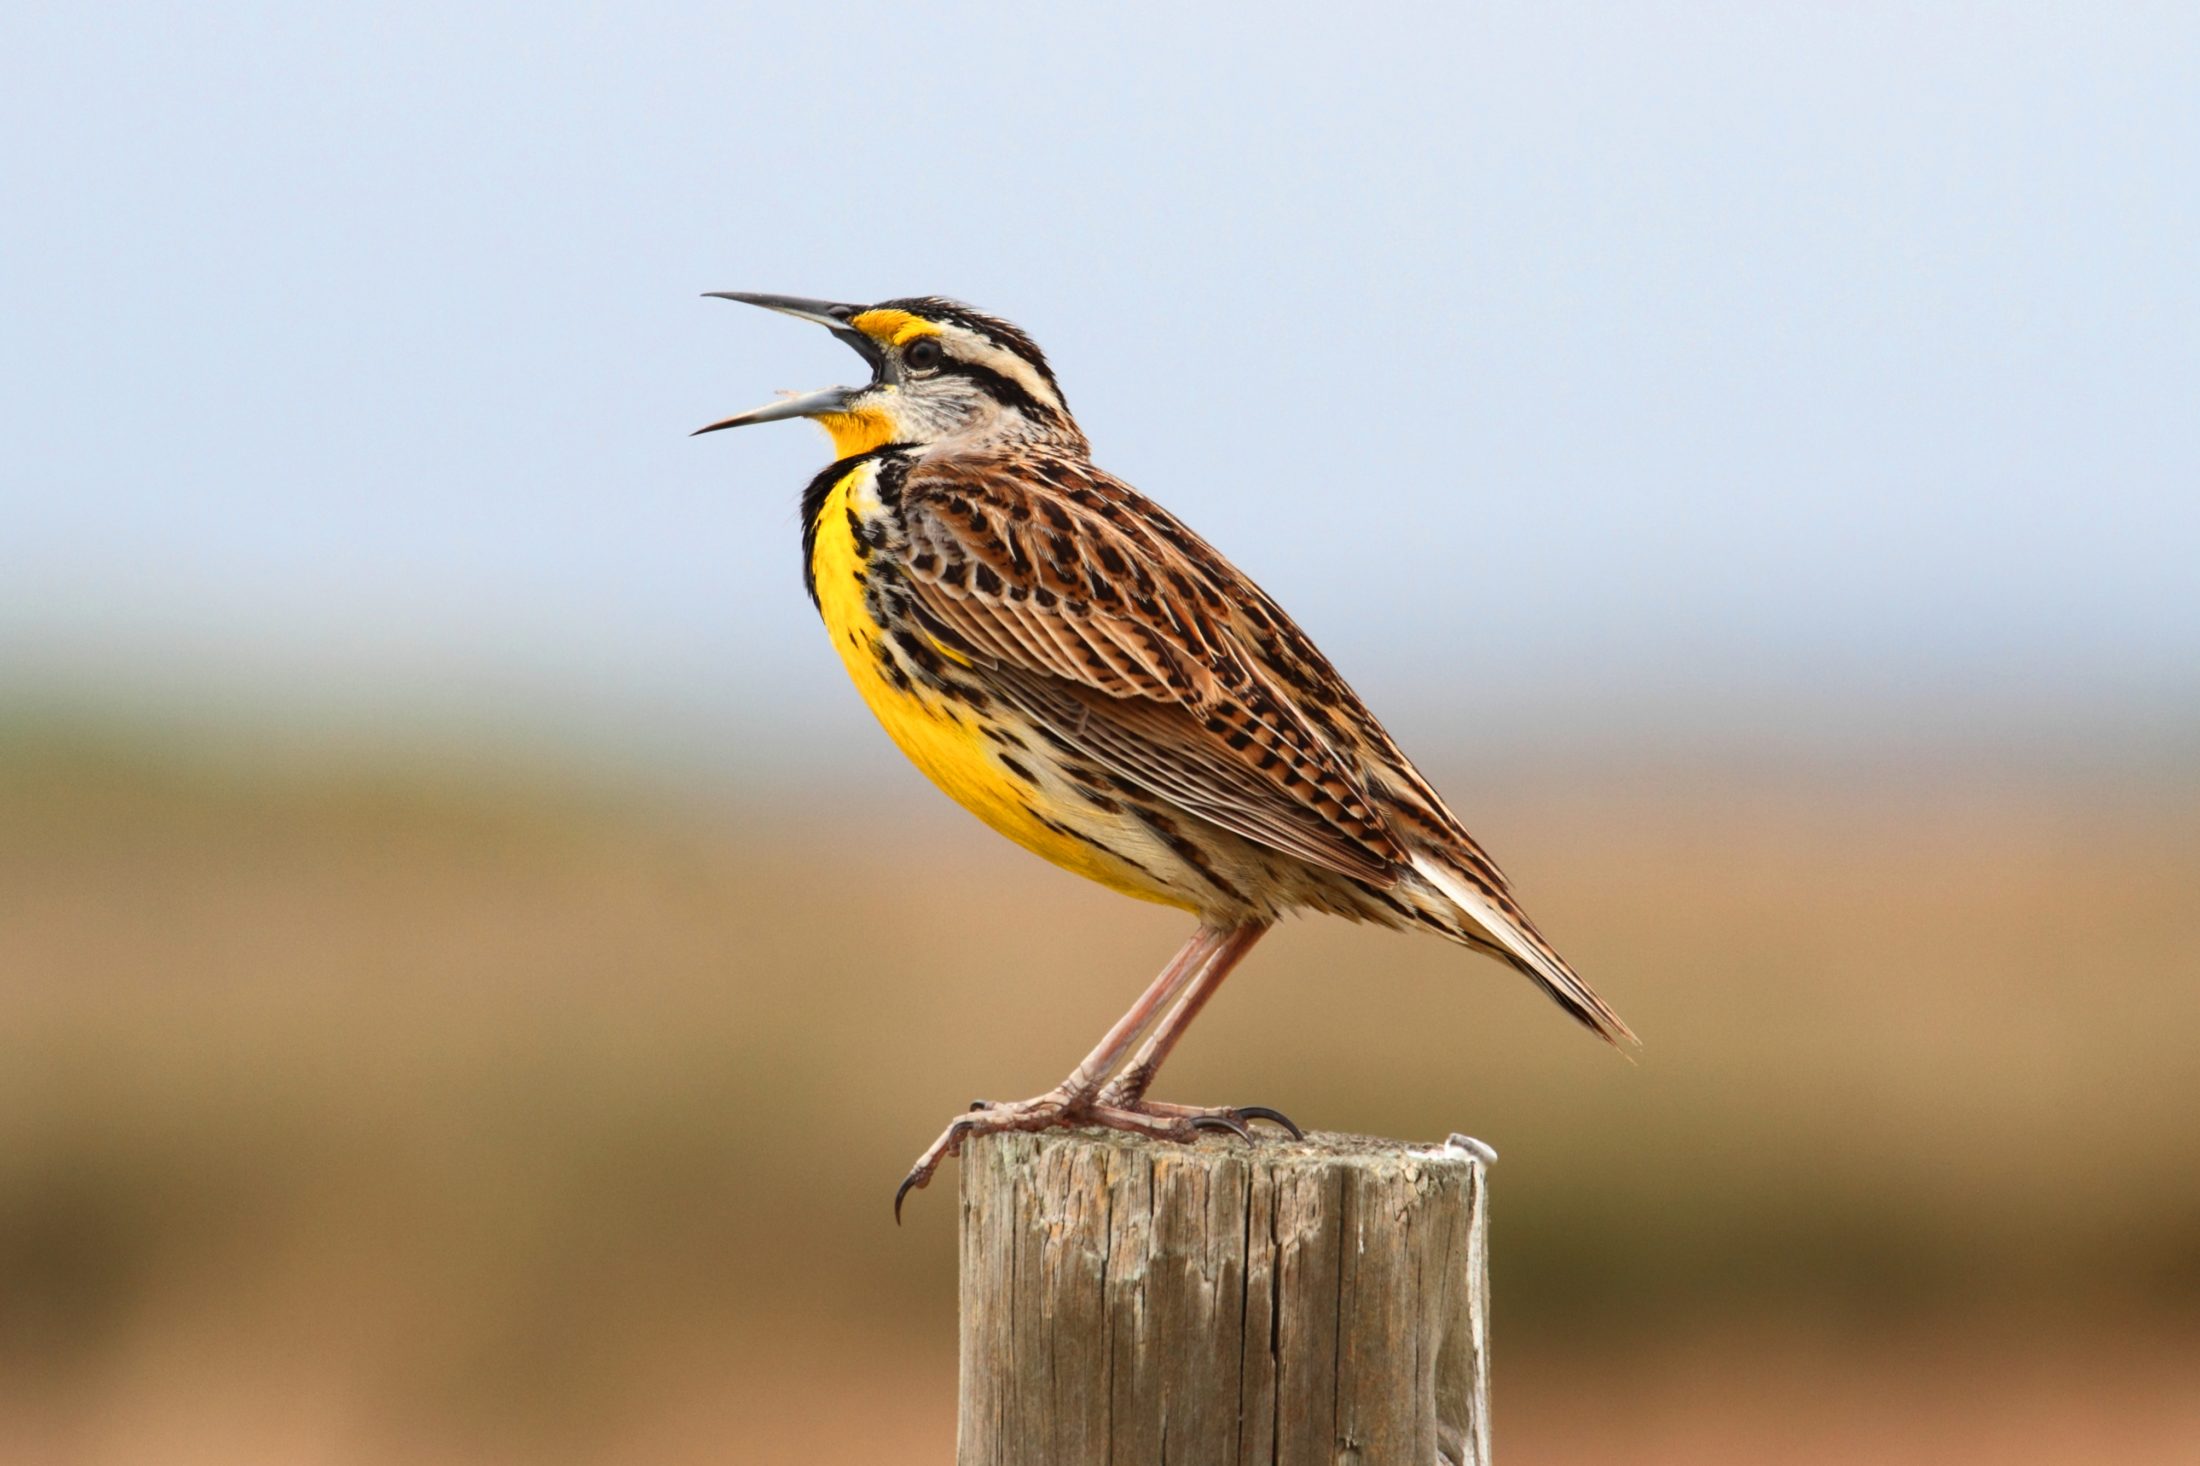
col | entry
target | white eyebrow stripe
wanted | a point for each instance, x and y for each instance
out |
(983, 352)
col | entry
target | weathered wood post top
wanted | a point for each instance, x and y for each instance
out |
(1127, 1301)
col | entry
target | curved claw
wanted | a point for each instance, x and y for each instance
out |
(981, 1104)
(1230, 1123)
(949, 1143)
(1273, 1117)
(908, 1184)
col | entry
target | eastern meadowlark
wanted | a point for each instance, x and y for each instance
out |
(1086, 675)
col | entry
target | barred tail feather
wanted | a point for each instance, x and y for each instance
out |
(1527, 951)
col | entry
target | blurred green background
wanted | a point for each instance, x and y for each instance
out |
(471, 976)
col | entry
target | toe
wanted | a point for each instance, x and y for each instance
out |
(1273, 1117)
(1224, 1121)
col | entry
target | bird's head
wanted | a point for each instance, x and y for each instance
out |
(939, 370)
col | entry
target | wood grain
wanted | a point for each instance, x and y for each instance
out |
(1128, 1302)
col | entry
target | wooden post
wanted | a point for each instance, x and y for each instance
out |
(1221, 1304)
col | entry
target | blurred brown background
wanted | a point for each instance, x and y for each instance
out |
(364, 1107)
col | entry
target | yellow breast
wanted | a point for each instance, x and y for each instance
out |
(946, 737)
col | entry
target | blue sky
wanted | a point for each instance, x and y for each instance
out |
(1551, 363)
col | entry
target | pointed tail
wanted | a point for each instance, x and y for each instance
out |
(1525, 948)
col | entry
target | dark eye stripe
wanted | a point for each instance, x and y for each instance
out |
(1005, 390)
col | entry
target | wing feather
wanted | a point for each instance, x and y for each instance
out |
(1127, 639)
(1129, 649)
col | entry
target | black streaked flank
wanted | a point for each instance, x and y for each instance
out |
(1187, 850)
(913, 647)
(1072, 832)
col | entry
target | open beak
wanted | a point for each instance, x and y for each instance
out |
(833, 318)
(807, 404)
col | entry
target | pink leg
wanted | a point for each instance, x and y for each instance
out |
(1072, 1102)
(1185, 970)
(1129, 1087)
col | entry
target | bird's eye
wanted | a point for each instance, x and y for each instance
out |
(924, 355)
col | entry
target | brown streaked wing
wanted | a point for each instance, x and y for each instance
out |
(1126, 648)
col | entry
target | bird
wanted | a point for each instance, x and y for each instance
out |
(1075, 666)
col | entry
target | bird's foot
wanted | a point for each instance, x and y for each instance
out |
(1127, 1091)
(1234, 1118)
(1059, 1109)
(1055, 1107)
